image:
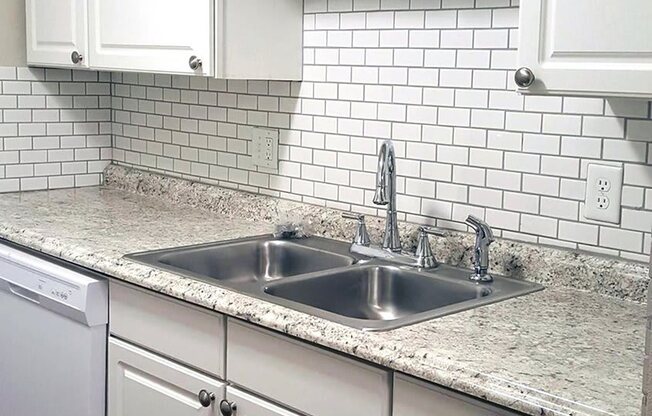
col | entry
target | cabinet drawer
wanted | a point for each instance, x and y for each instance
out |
(414, 397)
(143, 383)
(303, 377)
(182, 332)
(249, 405)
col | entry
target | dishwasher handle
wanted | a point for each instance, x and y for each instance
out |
(26, 294)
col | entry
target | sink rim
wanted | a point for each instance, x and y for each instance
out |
(256, 289)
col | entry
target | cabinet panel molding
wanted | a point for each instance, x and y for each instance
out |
(56, 29)
(574, 47)
(142, 383)
(152, 35)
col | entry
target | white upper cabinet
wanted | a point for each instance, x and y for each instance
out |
(152, 36)
(259, 39)
(230, 39)
(585, 47)
(55, 31)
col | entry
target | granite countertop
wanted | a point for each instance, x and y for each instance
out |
(561, 351)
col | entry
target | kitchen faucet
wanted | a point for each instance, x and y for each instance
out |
(386, 195)
(390, 249)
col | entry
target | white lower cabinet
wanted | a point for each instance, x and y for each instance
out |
(246, 404)
(414, 397)
(309, 379)
(267, 373)
(144, 384)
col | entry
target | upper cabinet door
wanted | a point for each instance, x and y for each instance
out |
(259, 39)
(152, 36)
(586, 47)
(55, 31)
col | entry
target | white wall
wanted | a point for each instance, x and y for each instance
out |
(12, 33)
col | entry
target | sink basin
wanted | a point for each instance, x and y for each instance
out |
(249, 260)
(377, 292)
(322, 278)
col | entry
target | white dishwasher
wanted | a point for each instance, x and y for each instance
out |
(53, 337)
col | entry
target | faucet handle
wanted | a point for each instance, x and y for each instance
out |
(425, 257)
(424, 230)
(361, 235)
(482, 229)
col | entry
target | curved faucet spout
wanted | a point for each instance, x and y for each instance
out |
(386, 194)
(384, 173)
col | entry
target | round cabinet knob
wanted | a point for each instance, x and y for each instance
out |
(194, 63)
(524, 77)
(228, 408)
(76, 57)
(206, 398)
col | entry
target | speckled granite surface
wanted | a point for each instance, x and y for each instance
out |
(556, 352)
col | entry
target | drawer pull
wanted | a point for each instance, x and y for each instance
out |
(206, 398)
(228, 408)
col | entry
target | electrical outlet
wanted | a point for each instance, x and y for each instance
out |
(602, 202)
(604, 187)
(264, 148)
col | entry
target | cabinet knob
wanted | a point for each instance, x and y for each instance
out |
(76, 57)
(228, 408)
(524, 77)
(194, 63)
(206, 398)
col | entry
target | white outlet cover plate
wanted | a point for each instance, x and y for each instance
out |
(264, 147)
(594, 208)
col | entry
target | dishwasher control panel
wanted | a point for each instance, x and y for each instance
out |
(79, 296)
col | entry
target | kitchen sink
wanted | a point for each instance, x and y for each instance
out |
(320, 277)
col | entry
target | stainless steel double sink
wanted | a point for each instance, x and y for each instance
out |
(321, 277)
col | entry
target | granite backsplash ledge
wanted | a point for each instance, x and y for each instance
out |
(546, 265)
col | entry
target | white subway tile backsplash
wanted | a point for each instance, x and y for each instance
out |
(45, 134)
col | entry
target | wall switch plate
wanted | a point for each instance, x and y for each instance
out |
(604, 189)
(264, 148)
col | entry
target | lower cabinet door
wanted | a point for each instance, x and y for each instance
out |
(244, 404)
(142, 384)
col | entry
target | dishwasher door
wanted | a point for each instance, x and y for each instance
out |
(52, 352)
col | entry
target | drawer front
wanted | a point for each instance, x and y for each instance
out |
(176, 330)
(143, 383)
(249, 405)
(304, 377)
(414, 397)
